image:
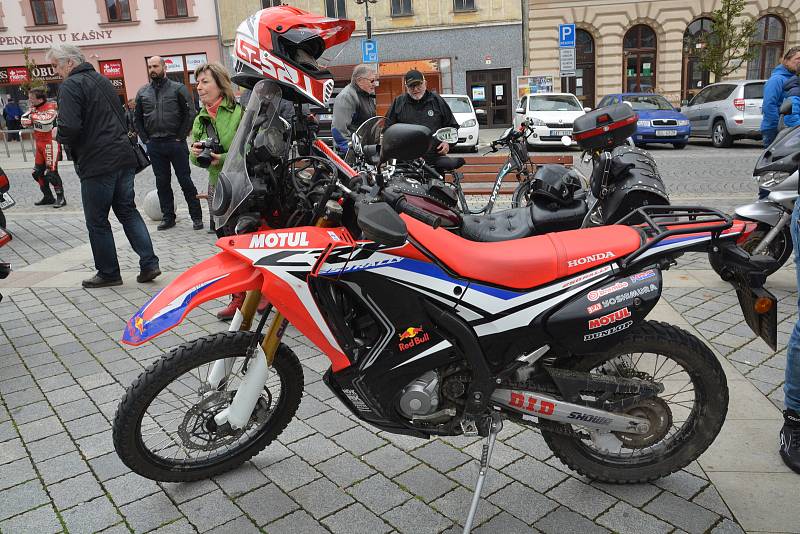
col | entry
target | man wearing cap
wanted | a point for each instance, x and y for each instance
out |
(423, 107)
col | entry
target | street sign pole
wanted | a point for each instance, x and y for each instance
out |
(566, 50)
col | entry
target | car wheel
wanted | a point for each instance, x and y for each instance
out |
(680, 146)
(720, 137)
(474, 147)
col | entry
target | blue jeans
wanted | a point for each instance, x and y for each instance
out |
(163, 153)
(768, 136)
(791, 388)
(114, 191)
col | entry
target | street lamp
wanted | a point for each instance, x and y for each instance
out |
(367, 19)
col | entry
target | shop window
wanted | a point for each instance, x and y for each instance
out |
(464, 5)
(401, 8)
(175, 8)
(768, 45)
(270, 3)
(118, 10)
(640, 57)
(335, 9)
(695, 77)
(44, 12)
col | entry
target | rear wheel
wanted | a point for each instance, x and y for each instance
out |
(164, 428)
(780, 248)
(684, 419)
(522, 195)
(720, 136)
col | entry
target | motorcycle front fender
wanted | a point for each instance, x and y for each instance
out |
(762, 211)
(220, 275)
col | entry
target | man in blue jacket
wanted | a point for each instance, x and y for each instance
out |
(774, 94)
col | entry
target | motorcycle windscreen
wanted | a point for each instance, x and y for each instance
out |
(368, 133)
(262, 136)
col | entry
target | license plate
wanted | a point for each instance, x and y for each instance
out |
(560, 133)
(325, 117)
(666, 133)
(6, 201)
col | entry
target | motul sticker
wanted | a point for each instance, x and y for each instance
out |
(596, 294)
(594, 258)
(279, 240)
(610, 331)
(611, 318)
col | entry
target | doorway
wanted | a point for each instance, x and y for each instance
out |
(490, 93)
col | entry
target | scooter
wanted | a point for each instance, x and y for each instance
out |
(776, 173)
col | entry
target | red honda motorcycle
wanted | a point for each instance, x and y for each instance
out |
(428, 334)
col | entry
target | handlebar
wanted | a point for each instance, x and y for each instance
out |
(402, 206)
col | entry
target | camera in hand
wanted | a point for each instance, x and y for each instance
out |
(209, 145)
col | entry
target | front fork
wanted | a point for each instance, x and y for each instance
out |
(773, 233)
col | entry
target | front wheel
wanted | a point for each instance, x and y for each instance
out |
(679, 146)
(164, 428)
(684, 419)
(780, 248)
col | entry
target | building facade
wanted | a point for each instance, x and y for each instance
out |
(117, 36)
(471, 47)
(649, 45)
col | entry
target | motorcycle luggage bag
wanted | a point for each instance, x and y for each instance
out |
(640, 187)
(624, 158)
(606, 127)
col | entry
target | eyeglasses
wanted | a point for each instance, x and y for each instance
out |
(416, 86)
(373, 81)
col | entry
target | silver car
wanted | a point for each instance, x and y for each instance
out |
(727, 111)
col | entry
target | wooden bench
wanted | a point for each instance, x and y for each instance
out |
(480, 172)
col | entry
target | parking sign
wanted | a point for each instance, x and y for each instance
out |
(369, 51)
(566, 36)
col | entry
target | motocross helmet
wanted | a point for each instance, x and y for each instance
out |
(283, 44)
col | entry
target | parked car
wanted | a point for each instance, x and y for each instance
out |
(727, 111)
(464, 112)
(551, 116)
(659, 122)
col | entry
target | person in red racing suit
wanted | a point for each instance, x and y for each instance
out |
(42, 117)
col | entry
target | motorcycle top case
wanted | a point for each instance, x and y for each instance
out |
(599, 316)
(606, 127)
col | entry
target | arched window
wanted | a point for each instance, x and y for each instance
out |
(694, 76)
(582, 84)
(768, 43)
(640, 51)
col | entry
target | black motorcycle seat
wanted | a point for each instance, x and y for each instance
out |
(503, 225)
(446, 163)
(567, 217)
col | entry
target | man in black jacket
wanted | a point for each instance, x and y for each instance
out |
(164, 114)
(423, 107)
(91, 124)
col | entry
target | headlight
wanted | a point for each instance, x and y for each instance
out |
(772, 178)
(643, 124)
(683, 123)
(536, 122)
(469, 124)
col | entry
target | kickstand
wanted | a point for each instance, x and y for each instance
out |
(486, 455)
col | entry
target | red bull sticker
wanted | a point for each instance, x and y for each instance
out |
(411, 337)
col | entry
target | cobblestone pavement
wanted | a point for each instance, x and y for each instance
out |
(63, 371)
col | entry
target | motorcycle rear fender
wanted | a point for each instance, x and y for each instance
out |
(765, 212)
(220, 275)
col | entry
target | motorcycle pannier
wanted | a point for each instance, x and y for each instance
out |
(605, 127)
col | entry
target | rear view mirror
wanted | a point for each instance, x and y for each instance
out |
(405, 142)
(447, 135)
(587, 109)
(355, 143)
(520, 110)
(480, 111)
(381, 224)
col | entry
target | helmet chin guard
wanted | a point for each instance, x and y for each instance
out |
(283, 44)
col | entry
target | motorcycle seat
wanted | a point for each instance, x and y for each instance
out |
(503, 225)
(569, 217)
(446, 163)
(528, 262)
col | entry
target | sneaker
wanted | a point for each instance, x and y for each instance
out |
(197, 224)
(149, 275)
(790, 440)
(166, 224)
(98, 281)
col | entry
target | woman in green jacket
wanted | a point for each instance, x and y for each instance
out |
(220, 109)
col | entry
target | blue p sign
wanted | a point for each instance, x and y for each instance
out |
(566, 35)
(369, 51)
